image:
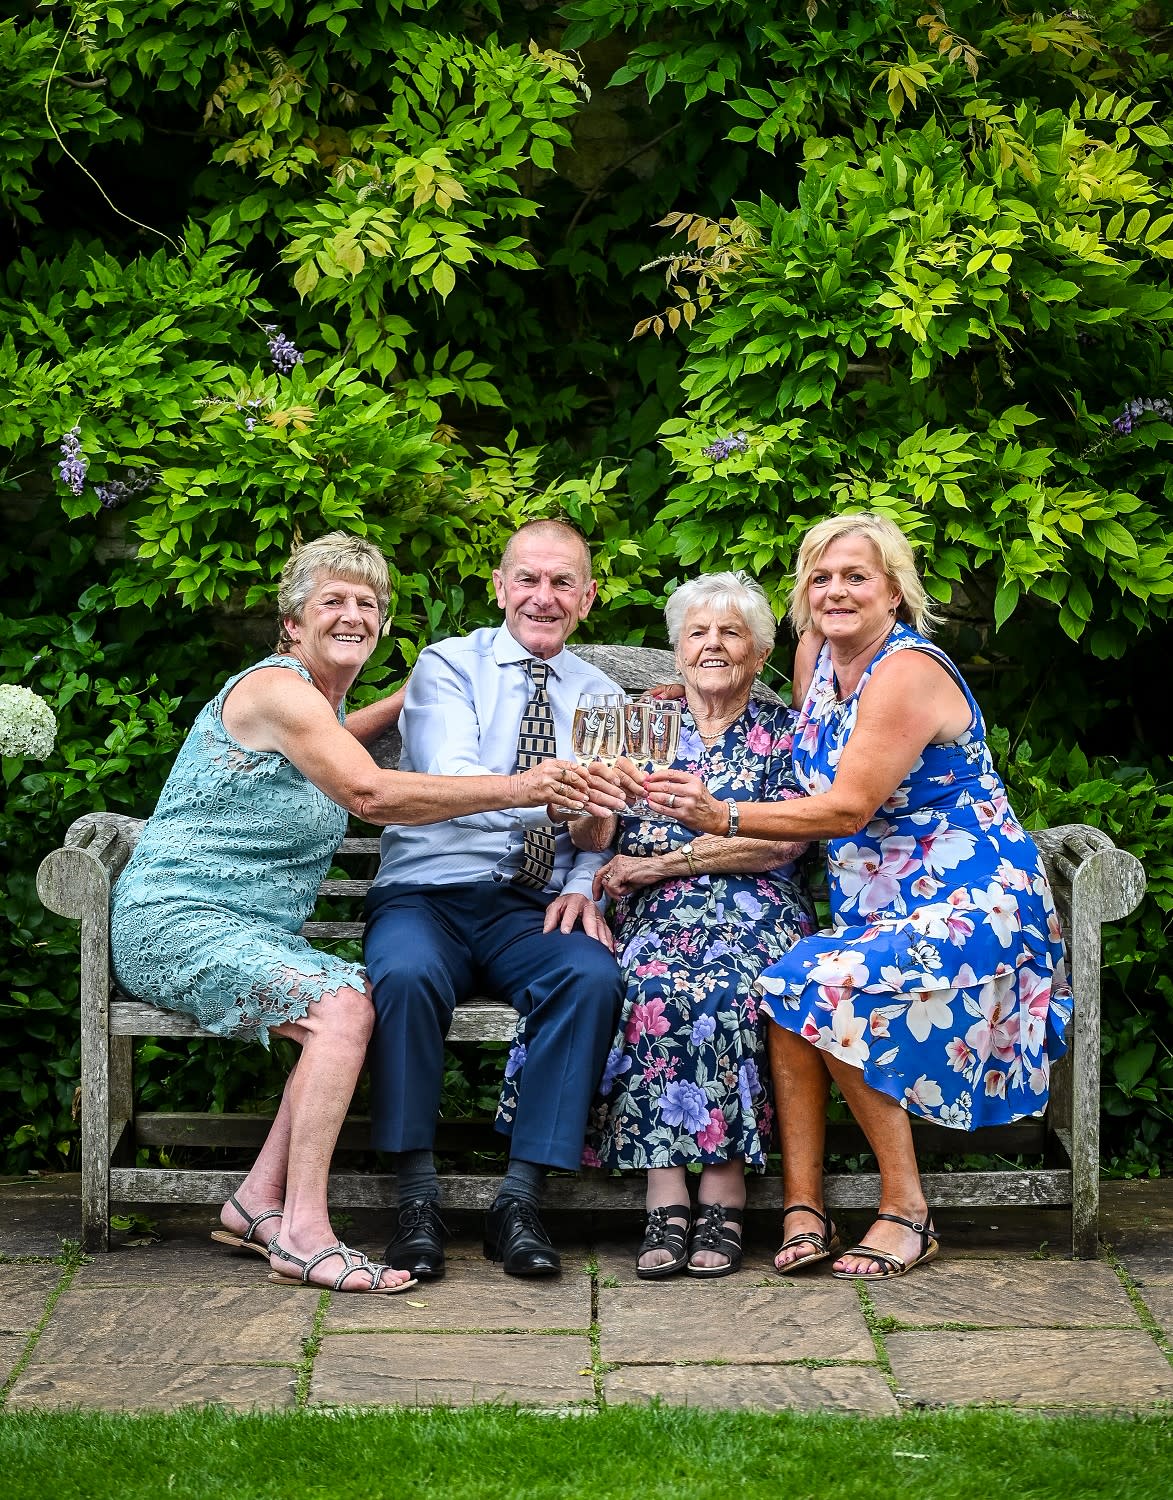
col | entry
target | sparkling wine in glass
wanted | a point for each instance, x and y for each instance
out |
(587, 727)
(663, 733)
(611, 734)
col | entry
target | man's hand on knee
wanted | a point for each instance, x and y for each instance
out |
(567, 911)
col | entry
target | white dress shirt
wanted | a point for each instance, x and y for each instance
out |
(461, 716)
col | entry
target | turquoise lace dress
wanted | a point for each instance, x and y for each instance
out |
(205, 916)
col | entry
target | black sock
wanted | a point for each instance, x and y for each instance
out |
(524, 1180)
(415, 1173)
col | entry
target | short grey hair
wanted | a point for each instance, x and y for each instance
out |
(335, 555)
(735, 592)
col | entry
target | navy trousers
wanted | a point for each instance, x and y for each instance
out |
(428, 947)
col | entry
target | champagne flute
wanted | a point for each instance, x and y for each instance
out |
(587, 727)
(637, 737)
(611, 735)
(663, 733)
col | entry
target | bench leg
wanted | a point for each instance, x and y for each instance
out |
(95, 1126)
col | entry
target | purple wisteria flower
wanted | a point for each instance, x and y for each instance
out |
(724, 446)
(516, 1060)
(116, 492)
(1133, 410)
(73, 465)
(684, 1103)
(282, 351)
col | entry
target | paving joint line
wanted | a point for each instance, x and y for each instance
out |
(873, 1323)
(70, 1262)
(598, 1369)
(1133, 1293)
(310, 1347)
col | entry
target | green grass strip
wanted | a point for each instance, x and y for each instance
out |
(624, 1453)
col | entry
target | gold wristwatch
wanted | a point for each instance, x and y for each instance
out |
(686, 850)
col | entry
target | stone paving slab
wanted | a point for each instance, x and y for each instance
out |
(161, 1387)
(194, 1261)
(1118, 1370)
(12, 1346)
(393, 1369)
(731, 1319)
(1159, 1301)
(1007, 1294)
(841, 1388)
(472, 1296)
(24, 1291)
(616, 1265)
(186, 1325)
(1151, 1267)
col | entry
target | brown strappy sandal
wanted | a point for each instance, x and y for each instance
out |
(892, 1264)
(825, 1244)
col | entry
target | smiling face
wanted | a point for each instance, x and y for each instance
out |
(852, 600)
(338, 629)
(717, 657)
(545, 588)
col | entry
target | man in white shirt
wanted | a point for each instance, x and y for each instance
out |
(498, 903)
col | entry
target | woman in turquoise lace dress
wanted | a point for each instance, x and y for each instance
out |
(205, 917)
(941, 989)
(696, 920)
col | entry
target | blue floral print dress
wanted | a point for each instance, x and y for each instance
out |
(684, 1080)
(943, 977)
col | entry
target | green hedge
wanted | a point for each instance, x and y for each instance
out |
(692, 275)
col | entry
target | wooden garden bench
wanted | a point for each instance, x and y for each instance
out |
(1094, 882)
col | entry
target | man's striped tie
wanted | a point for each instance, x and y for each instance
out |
(535, 742)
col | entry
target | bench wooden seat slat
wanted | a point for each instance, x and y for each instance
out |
(1094, 883)
(246, 1132)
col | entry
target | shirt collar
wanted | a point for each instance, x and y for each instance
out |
(507, 650)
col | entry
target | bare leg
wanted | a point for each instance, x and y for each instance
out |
(890, 1136)
(723, 1183)
(801, 1089)
(666, 1186)
(333, 1036)
(264, 1187)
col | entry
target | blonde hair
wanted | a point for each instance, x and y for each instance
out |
(896, 559)
(737, 592)
(335, 555)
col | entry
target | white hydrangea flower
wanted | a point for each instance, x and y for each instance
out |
(28, 725)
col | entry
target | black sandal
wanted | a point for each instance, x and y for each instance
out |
(661, 1234)
(713, 1231)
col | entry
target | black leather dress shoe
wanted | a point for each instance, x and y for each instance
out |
(418, 1243)
(514, 1234)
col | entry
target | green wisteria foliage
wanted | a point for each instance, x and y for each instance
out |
(690, 274)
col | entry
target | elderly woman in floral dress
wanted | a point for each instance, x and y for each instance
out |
(695, 921)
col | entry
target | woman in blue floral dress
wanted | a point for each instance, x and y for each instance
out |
(695, 922)
(941, 989)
